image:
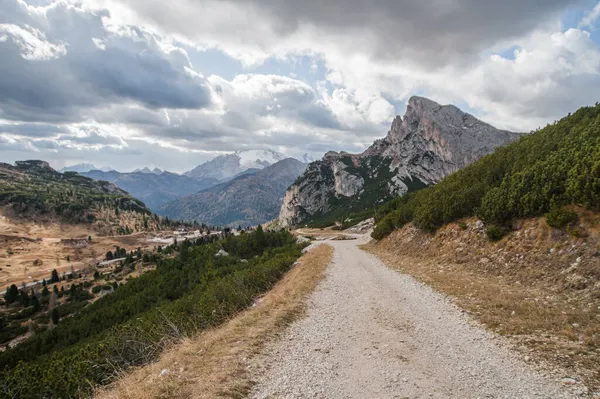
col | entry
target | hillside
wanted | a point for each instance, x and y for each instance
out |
(538, 285)
(155, 189)
(247, 200)
(32, 189)
(429, 143)
(190, 286)
(538, 174)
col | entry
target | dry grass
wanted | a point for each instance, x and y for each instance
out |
(23, 242)
(516, 287)
(214, 363)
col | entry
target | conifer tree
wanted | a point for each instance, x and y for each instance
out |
(55, 316)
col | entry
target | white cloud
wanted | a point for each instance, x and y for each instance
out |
(591, 17)
(32, 42)
(370, 57)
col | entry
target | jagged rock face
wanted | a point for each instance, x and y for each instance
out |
(346, 184)
(433, 141)
(430, 142)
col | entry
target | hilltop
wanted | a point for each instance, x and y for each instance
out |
(32, 189)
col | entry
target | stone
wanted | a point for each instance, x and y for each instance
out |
(569, 381)
(222, 252)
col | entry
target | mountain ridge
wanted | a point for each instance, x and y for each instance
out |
(430, 142)
(153, 188)
(248, 199)
(34, 190)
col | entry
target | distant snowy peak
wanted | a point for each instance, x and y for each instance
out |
(146, 169)
(258, 158)
(225, 167)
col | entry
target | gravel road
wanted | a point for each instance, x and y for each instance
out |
(372, 332)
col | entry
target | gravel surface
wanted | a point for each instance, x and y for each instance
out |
(372, 332)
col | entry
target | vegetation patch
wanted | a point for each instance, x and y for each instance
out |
(214, 363)
(540, 173)
(560, 218)
(190, 291)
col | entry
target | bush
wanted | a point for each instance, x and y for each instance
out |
(96, 289)
(462, 225)
(560, 218)
(495, 233)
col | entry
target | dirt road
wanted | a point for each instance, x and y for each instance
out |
(371, 332)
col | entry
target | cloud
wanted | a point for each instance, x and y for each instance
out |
(550, 75)
(31, 42)
(33, 130)
(430, 32)
(591, 17)
(53, 68)
(113, 82)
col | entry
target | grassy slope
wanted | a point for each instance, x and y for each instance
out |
(550, 168)
(214, 363)
(538, 285)
(193, 291)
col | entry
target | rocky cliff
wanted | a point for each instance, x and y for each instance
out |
(430, 142)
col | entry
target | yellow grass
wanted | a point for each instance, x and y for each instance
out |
(513, 287)
(24, 242)
(214, 363)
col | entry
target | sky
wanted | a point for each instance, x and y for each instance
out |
(136, 83)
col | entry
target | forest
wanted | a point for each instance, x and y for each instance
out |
(195, 285)
(538, 175)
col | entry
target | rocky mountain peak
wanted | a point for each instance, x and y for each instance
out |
(430, 142)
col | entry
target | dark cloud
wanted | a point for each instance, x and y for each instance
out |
(432, 32)
(68, 62)
(34, 130)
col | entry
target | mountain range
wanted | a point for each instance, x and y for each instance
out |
(84, 167)
(161, 190)
(228, 166)
(246, 200)
(429, 143)
(154, 189)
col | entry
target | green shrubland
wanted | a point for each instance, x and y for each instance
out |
(191, 291)
(538, 174)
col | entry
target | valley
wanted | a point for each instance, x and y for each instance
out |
(493, 233)
(246, 200)
(25, 242)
